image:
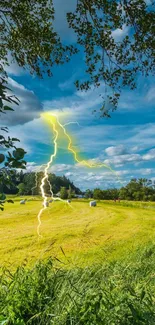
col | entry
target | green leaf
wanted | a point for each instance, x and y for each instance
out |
(15, 139)
(4, 129)
(2, 158)
(19, 153)
(2, 197)
(7, 108)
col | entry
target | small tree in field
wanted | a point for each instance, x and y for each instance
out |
(21, 189)
(63, 193)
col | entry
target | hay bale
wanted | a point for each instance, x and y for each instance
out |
(22, 201)
(92, 204)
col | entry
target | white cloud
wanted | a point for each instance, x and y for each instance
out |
(76, 107)
(118, 150)
(31, 166)
(150, 155)
(119, 161)
(60, 168)
(69, 174)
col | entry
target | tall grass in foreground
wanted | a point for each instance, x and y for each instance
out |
(108, 294)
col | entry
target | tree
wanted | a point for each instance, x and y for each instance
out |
(21, 189)
(28, 35)
(138, 190)
(113, 63)
(70, 192)
(63, 193)
(13, 159)
(88, 194)
(97, 194)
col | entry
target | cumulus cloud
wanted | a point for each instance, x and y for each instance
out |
(69, 174)
(29, 107)
(150, 155)
(78, 105)
(120, 160)
(31, 166)
(118, 150)
(60, 168)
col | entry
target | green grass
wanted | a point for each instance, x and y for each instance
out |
(92, 266)
(107, 294)
(77, 235)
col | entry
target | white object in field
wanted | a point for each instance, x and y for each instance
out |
(92, 203)
(46, 204)
(50, 201)
(22, 201)
(68, 201)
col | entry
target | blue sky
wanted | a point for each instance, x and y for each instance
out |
(125, 141)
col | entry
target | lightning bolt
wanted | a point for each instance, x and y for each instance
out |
(50, 186)
(49, 117)
(53, 119)
(69, 123)
(46, 178)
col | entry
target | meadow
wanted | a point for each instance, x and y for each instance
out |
(75, 235)
(90, 266)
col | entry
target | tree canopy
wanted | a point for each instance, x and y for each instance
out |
(28, 35)
(29, 184)
(111, 62)
(140, 189)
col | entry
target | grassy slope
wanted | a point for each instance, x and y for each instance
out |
(86, 234)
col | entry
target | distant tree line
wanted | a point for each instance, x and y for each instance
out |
(22, 183)
(136, 190)
(29, 184)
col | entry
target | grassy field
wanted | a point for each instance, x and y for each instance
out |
(91, 266)
(76, 235)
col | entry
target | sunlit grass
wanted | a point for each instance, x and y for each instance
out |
(77, 235)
